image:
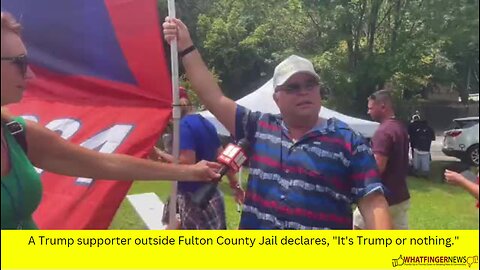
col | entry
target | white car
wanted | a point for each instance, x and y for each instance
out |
(471, 97)
(461, 141)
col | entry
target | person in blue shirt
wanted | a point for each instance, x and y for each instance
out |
(199, 140)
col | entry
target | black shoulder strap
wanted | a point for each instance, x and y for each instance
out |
(17, 131)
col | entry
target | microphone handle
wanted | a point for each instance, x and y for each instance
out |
(204, 194)
(222, 171)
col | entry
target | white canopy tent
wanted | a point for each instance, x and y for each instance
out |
(261, 100)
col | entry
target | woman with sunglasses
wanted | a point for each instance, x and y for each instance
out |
(21, 189)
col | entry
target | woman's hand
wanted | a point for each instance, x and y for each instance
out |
(203, 170)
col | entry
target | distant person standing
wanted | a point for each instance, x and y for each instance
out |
(411, 126)
(421, 137)
(390, 147)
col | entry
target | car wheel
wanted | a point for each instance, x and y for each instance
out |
(472, 155)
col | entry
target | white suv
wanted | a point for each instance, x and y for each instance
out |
(461, 141)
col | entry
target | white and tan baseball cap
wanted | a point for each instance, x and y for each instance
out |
(292, 65)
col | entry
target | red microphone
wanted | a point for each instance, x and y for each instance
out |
(231, 158)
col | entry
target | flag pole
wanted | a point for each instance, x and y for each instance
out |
(176, 119)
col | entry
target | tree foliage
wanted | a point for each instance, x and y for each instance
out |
(358, 46)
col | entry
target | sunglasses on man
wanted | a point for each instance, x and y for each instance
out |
(295, 88)
(20, 61)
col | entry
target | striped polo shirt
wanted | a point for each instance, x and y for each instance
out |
(308, 184)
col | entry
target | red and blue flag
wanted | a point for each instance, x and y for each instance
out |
(101, 82)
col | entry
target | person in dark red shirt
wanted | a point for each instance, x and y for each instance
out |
(390, 146)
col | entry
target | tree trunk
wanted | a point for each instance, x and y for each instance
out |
(396, 25)
(357, 34)
(372, 25)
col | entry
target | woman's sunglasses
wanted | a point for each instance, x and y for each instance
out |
(20, 61)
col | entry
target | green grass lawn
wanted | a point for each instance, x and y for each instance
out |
(437, 205)
(127, 218)
(434, 204)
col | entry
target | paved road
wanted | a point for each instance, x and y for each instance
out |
(437, 153)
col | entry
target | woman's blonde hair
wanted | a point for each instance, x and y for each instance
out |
(9, 23)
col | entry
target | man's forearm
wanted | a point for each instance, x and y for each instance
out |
(374, 209)
(210, 94)
(201, 79)
(380, 221)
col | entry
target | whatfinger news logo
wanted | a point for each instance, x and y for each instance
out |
(435, 260)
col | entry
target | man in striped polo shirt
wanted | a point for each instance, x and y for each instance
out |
(305, 172)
